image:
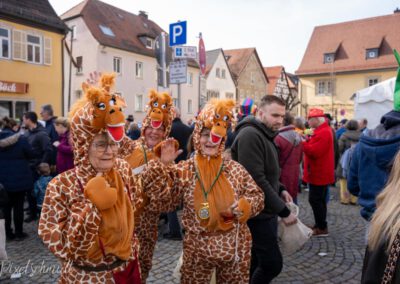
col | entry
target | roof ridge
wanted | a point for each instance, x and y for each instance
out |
(358, 20)
(73, 7)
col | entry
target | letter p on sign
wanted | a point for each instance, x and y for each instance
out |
(177, 33)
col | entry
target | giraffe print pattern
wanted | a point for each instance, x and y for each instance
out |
(206, 250)
(69, 223)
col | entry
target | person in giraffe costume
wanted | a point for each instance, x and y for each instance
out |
(156, 128)
(87, 219)
(218, 196)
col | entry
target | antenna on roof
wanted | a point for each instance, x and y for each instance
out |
(144, 14)
(397, 10)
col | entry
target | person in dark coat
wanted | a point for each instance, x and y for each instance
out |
(319, 170)
(384, 234)
(47, 114)
(348, 139)
(15, 175)
(290, 148)
(42, 151)
(254, 148)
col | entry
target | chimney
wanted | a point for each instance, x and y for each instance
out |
(397, 10)
(143, 14)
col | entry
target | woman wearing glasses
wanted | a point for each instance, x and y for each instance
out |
(88, 212)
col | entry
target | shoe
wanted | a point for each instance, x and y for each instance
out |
(21, 237)
(30, 219)
(317, 232)
(173, 237)
(10, 236)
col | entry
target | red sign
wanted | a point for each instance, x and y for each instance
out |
(202, 56)
(13, 87)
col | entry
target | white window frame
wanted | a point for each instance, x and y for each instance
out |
(223, 74)
(324, 87)
(371, 79)
(139, 71)
(329, 58)
(14, 102)
(117, 64)
(149, 40)
(190, 79)
(40, 45)
(190, 106)
(9, 43)
(79, 69)
(370, 51)
(106, 30)
(217, 73)
(73, 32)
(139, 107)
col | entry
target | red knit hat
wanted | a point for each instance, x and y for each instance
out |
(315, 112)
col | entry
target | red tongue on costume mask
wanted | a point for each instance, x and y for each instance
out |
(116, 132)
(156, 124)
(215, 139)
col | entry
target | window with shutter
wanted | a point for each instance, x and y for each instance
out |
(5, 43)
(19, 45)
(47, 51)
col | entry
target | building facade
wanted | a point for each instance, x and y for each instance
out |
(105, 38)
(219, 80)
(248, 73)
(343, 58)
(30, 57)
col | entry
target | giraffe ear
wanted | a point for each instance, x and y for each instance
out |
(85, 87)
(93, 94)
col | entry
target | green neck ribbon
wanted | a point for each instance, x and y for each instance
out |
(396, 98)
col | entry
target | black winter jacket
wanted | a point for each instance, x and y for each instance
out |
(255, 149)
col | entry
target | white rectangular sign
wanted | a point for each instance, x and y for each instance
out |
(185, 52)
(178, 72)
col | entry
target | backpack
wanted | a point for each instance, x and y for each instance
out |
(345, 161)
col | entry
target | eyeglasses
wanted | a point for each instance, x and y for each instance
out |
(101, 147)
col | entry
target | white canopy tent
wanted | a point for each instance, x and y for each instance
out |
(373, 102)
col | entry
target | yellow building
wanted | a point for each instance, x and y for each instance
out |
(343, 58)
(31, 36)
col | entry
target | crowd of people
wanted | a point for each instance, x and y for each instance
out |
(100, 194)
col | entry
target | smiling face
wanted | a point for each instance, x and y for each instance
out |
(102, 153)
(220, 120)
(153, 136)
(208, 148)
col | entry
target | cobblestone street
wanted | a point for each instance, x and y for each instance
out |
(335, 259)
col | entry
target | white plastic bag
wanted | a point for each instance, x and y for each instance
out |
(3, 253)
(295, 236)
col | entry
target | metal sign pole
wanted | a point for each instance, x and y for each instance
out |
(179, 97)
(164, 64)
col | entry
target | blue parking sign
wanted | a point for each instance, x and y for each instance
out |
(177, 33)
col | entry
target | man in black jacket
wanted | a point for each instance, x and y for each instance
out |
(48, 117)
(42, 151)
(254, 148)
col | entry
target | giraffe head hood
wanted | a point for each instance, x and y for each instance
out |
(159, 112)
(217, 116)
(98, 111)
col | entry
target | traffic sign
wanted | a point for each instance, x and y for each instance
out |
(177, 33)
(202, 56)
(185, 52)
(178, 72)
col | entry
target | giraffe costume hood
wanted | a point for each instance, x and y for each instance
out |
(159, 113)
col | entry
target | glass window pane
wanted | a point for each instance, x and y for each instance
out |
(21, 108)
(37, 54)
(3, 32)
(4, 46)
(30, 53)
(33, 39)
(6, 109)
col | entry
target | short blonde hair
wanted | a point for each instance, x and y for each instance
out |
(62, 121)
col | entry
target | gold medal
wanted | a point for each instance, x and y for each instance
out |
(204, 212)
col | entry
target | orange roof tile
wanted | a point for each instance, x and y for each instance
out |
(273, 73)
(351, 39)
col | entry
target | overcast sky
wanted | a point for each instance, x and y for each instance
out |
(279, 29)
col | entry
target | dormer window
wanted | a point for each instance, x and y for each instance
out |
(329, 57)
(149, 43)
(106, 30)
(371, 53)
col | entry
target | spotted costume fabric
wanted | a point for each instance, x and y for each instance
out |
(227, 251)
(71, 224)
(146, 221)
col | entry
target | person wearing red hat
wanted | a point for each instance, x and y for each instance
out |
(319, 168)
